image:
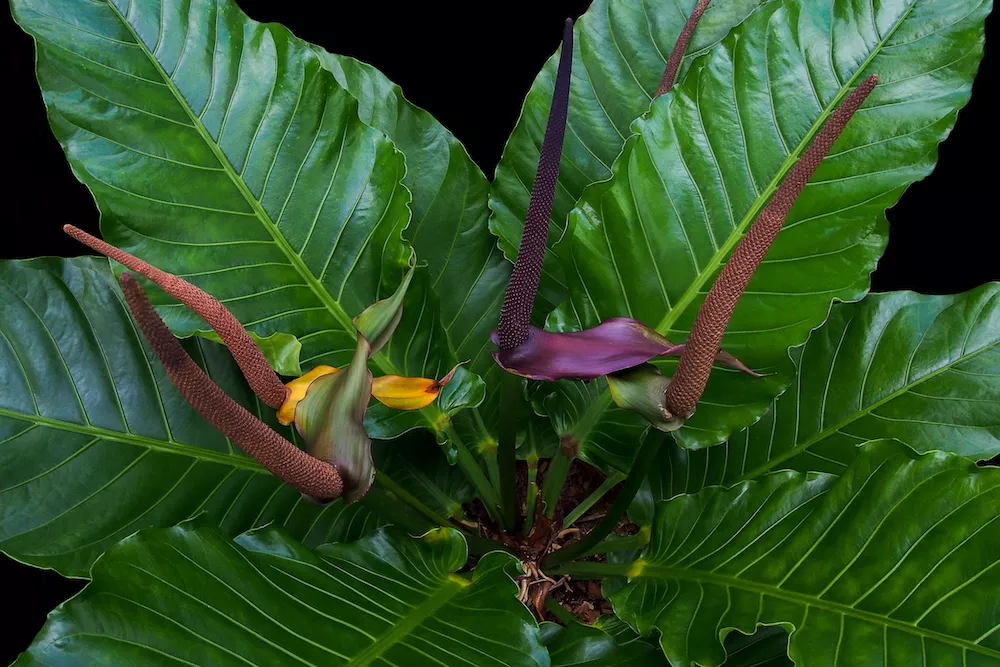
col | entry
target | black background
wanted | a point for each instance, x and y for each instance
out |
(471, 67)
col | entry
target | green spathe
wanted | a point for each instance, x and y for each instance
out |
(641, 389)
(331, 420)
(379, 320)
(331, 415)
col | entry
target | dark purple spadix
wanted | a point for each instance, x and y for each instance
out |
(520, 297)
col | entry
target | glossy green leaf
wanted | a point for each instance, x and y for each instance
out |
(221, 150)
(188, 595)
(922, 369)
(896, 562)
(449, 230)
(579, 645)
(618, 61)
(95, 443)
(464, 390)
(618, 629)
(706, 158)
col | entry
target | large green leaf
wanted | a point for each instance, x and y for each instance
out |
(579, 645)
(220, 149)
(922, 369)
(95, 442)
(620, 51)
(187, 595)
(896, 562)
(707, 157)
(450, 216)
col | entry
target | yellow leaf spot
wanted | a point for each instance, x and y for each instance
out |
(462, 581)
(297, 391)
(442, 423)
(437, 535)
(637, 568)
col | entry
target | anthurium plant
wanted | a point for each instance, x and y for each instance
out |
(327, 395)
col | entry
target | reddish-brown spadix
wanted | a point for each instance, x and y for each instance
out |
(680, 48)
(326, 406)
(315, 479)
(252, 362)
(713, 317)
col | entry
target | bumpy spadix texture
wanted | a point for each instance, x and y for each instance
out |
(520, 297)
(706, 335)
(258, 373)
(310, 476)
(677, 55)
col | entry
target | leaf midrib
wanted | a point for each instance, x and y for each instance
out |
(430, 414)
(325, 297)
(739, 231)
(825, 433)
(169, 446)
(699, 576)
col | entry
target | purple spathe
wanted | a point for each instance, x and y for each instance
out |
(611, 346)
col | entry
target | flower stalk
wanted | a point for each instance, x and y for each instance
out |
(555, 476)
(470, 466)
(643, 463)
(614, 543)
(506, 454)
(531, 499)
(392, 486)
(611, 482)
